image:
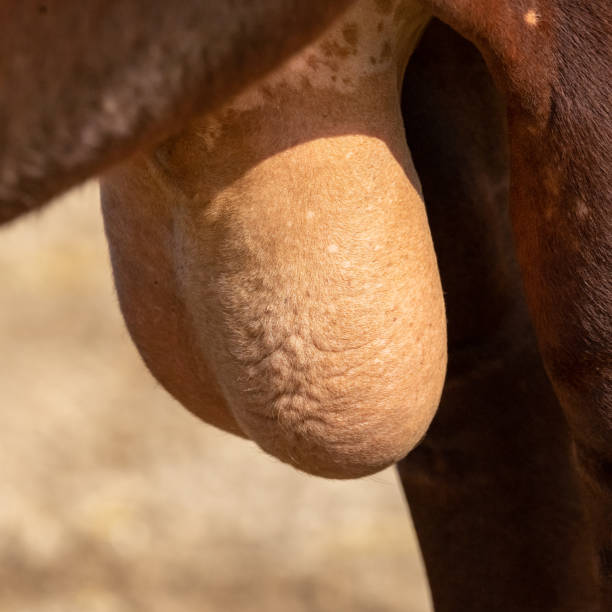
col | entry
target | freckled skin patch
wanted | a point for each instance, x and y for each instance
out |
(350, 32)
(332, 48)
(345, 49)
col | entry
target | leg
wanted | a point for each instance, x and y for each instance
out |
(560, 209)
(553, 64)
(492, 489)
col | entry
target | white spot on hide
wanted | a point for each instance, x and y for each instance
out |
(110, 104)
(332, 248)
(582, 210)
(531, 17)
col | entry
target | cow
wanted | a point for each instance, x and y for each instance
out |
(271, 239)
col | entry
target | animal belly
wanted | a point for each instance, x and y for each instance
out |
(274, 262)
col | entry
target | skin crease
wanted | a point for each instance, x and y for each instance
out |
(280, 250)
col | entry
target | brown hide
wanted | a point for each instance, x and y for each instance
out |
(84, 84)
(553, 63)
(492, 488)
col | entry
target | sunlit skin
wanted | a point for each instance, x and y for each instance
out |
(274, 262)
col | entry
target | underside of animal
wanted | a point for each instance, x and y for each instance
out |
(274, 262)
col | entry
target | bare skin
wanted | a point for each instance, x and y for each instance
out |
(287, 236)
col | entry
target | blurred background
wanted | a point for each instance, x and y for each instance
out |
(115, 499)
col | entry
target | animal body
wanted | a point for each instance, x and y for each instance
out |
(274, 262)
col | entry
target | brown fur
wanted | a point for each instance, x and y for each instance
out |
(556, 78)
(84, 84)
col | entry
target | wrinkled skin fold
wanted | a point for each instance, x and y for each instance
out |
(274, 262)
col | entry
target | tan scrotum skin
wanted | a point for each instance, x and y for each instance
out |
(274, 262)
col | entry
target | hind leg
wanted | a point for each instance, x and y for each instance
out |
(492, 488)
(553, 64)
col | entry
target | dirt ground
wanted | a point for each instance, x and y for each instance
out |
(114, 499)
